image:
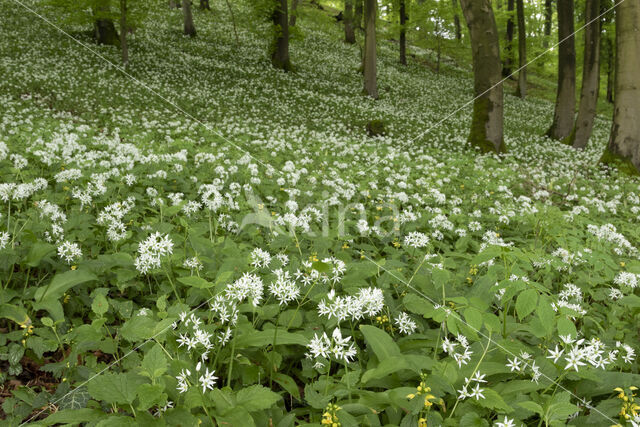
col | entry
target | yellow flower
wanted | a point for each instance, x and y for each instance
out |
(422, 422)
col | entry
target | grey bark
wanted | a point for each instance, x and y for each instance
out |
(590, 78)
(521, 89)
(349, 34)
(370, 59)
(359, 12)
(508, 58)
(563, 116)
(294, 13)
(487, 122)
(610, 69)
(456, 20)
(280, 46)
(403, 33)
(104, 29)
(189, 28)
(624, 142)
(548, 17)
(123, 33)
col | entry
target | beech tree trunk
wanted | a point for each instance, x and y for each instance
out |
(294, 13)
(349, 33)
(548, 17)
(359, 12)
(610, 69)
(624, 142)
(189, 28)
(403, 33)
(487, 122)
(204, 5)
(521, 89)
(563, 116)
(590, 78)
(508, 58)
(370, 60)
(456, 20)
(123, 33)
(280, 46)
(104, 30)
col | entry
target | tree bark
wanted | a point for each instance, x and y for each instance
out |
(548, 17)
(204, 5)
(563, 116)
(590, 78)
(104, 29)
(294, 13)
(521, 89)
(487, 122)
(189, 28)
(370, 60)
(403, 33)
(123, 33)
(349, 34)
(610, 69)
(280, 46)
(624, 143)
(359, 12)
(456, 20)
(508, 58)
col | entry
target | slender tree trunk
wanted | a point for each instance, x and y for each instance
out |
(610, 69)
(590, 78)
(294, 13)
(359, 12)
(508, 59)
(204, 5)
(548, 17)
(487, 122)
(349, 34)
(280, 46)
(624, 142)
(456, 20)
(123, 33)
(563, 116)
(521, 89)
(403, 33)
(370, 60)
(104, 29)
(189, 28)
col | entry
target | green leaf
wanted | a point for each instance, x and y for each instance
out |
(380, 342)
(526, 302)
(150, 395)
(532, 406)
(37, 252)
(473, 317)
(100, 305)
(493, 400)
(263, 338)
(76, 400)
(138, 328)
(195, 282)
(115, 388)
(546, 315)
(257, 398)
(63, 282)
(14, 313)
(72, 416)
(566, 327)
(287, 383)
(154, 363)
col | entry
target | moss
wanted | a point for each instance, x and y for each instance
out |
(623, 164)
(478, 134)
(569, 140)
(376, 128)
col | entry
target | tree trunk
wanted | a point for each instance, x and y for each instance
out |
(456, 20)
(487, 126)
(189, 28)
(548, 17)
(590, 78)
(403, 33)
(508, 59)
(123, 33)
(359, 11)
(610, 69)
(280, 46)
(563, 116)
(104, 30)
(204, 5)
(370, 60)
(349, 34)
(624, 142)
(294, 13)
(521, 89)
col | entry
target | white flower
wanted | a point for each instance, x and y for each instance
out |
(505, 423)
(405, 324)
(4, 239)
(68, 251)
(207, 380)
(574, 358)
(284, 289)
(260, 258)
(416, 239)
(555, 354)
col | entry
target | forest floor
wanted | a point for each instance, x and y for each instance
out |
(129, 201)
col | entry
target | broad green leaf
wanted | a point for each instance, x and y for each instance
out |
(100, 305)
(114, 388)
(257, 398)
(154, 363)
(263, 338)
(14, 313)
(532, 406)
(473, 317)
(138, 328)
(150, 395)
(380, 342)
(72, 416)
(287, 383)
(526, 302)
(195, 282)
(37, 252)
(546, 315)
(566, 327)
(63, 282)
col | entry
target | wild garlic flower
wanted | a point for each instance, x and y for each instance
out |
(260, 258)
(284, 289)
(70, 252)
(336, 347)
(4, 239)
(405, 324)
(151, 250)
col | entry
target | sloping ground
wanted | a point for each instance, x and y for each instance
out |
(93, 162)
